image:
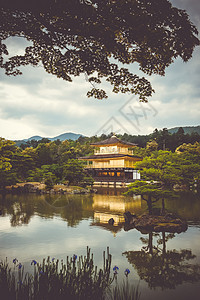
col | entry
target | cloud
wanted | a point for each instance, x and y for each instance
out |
(38, 103)
(192, 7)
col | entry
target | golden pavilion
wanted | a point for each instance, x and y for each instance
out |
(112, 161)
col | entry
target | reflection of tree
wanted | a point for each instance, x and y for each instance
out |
(21, 208)
(20, 212)
(76, 211)
(73, 209)
(162, 268)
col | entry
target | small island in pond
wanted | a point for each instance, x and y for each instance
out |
(153, 223)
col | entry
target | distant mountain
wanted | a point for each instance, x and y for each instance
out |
(187, 129)
(75, 136)
(61, 137)
(35, 137)
(66, 136)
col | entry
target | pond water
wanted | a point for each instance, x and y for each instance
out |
(34, 227)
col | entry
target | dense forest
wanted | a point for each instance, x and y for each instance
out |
(57, 161)
(166, 139)
(44, 161)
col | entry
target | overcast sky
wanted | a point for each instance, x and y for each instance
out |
(37, 103)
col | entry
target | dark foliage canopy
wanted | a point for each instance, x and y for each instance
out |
(97, 37)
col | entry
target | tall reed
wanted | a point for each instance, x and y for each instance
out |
(52, 279)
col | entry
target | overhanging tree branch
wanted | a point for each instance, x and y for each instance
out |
(95, 33)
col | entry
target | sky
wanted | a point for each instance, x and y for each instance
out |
(38, 103)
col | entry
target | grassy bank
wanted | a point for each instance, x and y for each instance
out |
(42, 188)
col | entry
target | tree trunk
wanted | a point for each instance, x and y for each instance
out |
(149, 204)
(163, 206)
(150, 244)
(164, 243)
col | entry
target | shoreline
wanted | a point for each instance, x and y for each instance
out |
(40, 188)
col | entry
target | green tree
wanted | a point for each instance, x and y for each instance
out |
(152, 145)
(162, 170)
(189, 159)
(31, 152)
(180, 136)
(50, 180)
(5, 153)
(43, 154)
(164, 139)
(150, 192)
(21, 164)
(162, 166)
(74, 173)
(138, 151)
(159, 172)
(50, 173)
(76, 37)
(189, 150)
(29, 144)
(7, 174)
(194, 137)
(155, 135)
(7, 178)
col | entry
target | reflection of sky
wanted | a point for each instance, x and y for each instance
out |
(187, 240)
(52, 236)
(44, 237)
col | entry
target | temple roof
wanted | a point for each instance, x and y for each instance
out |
(113, 141)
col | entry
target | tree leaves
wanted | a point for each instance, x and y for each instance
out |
(74, 37)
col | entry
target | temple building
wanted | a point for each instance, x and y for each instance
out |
(112, 162)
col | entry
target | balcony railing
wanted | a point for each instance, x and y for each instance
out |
(106, 166)
(110, 166)
(110, 151)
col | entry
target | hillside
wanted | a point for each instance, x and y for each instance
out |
(61, 137)
(66, 136)
(187, 129)
(75, 136)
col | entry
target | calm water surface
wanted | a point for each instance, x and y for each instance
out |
(34, 227)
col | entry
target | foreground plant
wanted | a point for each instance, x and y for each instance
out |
(78, 278)
(125, 292)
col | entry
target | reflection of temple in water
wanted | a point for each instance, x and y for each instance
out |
(110, 191)
(114, 207)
